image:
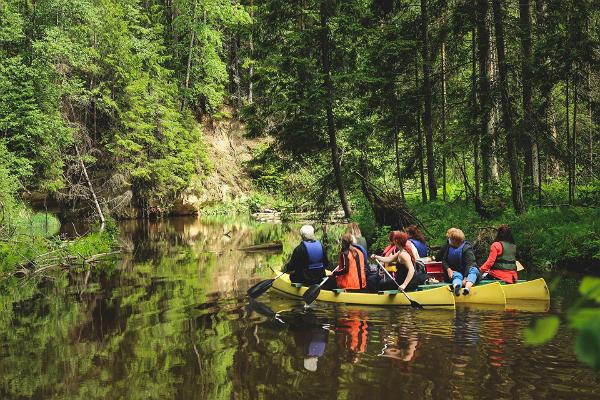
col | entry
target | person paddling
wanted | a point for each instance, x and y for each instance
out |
(458, 260)
(308, 261)
(417, 238)
(502, 261)
(350, 274)
(404, 274)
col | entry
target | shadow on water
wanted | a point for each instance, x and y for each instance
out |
(171, 321)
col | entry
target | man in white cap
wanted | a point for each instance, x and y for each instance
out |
(308, 262)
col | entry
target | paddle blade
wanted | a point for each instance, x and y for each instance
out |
(261, 308)
(416, 305)
(311, 294)
(260, 288)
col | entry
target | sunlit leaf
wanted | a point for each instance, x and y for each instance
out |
(590, 288)
(580, 318)
(587, 346)
(541, 330)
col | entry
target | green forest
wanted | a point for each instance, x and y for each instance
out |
(457, 112)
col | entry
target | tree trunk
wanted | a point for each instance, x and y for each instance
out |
(419, 133)
(483, 51)
(190, 51)
(427, 97)
(444, 183)
(92, 191)
(511, 142)
(568, 163)
(573, 146)
(328, 87)
(397, 154)
(251, 68)
(475, 129)
(531, 174)
(591, 118)
(444, 103)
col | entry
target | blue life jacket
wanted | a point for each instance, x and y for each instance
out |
(315, 253)
(455, 256)
(364, 251)
(421, 247)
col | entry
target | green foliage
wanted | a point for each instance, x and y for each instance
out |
(586, 320)
(542, 330)
(551, 236)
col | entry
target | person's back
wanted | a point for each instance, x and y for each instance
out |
(308, 261)
(351, 272)
(418, 240)
(502, 260)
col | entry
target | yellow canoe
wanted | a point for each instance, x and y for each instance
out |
(530, 290)
(491, 293)
(439, 297)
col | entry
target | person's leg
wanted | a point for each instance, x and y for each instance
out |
(387, 285)
(472, 278)
(418, 278)
(457, 278)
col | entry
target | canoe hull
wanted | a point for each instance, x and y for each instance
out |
(531, 290)
(484, 294)
(438, 298)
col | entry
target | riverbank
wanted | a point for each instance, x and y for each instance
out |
(547, 237)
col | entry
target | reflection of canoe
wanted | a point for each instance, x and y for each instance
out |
(439, 297)
(528, 305)
(529, 290)
(491, 293)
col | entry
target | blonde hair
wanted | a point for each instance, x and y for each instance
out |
(353, 229)
(455, 235)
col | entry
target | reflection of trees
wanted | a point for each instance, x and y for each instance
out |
(161, 326)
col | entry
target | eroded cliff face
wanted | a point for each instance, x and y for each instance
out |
(228, 150)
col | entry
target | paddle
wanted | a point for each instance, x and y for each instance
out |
(262, 286)
(312, 292)
(412, 302)
(264, 310)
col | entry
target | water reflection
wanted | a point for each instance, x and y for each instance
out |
(171, 321)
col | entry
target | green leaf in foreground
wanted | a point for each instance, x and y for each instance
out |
(541, 330)
(587, 345)
(590, 288)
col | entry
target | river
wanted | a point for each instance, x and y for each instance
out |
(170, 320)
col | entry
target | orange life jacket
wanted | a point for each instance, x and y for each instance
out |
(354, 332)
(355, 277)
(388, 251)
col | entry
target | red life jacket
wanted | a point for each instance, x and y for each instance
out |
(388, 251)
(355, 277)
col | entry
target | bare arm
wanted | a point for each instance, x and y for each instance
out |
(404, 258)
(387, 259)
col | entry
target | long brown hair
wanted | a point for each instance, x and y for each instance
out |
(504, 234)
(415, 233)
(347, 240)
(353, 229)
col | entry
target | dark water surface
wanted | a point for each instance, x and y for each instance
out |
(170, 321)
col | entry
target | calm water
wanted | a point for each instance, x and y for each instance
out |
(170, 321)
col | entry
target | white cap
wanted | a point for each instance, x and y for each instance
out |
(310, 363)
(307, 232)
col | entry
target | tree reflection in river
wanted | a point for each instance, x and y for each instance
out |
(171, 321)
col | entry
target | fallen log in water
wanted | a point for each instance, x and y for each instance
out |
(270, 246)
